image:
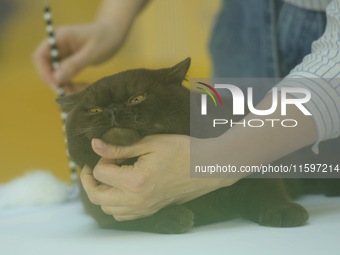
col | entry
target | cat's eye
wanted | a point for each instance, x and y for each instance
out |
(136, 99)
(95, 110)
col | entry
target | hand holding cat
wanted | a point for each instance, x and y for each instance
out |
(160, 177)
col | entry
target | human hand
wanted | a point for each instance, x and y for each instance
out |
(160, 177)
(79, 46)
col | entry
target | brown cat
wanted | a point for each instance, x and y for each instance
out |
(123, 108)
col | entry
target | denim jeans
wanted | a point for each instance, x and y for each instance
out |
(262, 38)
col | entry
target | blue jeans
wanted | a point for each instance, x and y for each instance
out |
(262, 38)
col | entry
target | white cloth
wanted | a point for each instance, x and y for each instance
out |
(66, 229)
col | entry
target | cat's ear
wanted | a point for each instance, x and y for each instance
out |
(180, 70)
(68, 102)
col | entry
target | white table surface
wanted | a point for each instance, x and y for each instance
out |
(66, 229)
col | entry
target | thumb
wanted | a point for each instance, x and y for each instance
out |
(117, 152)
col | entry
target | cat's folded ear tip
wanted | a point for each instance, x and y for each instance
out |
(186, 62)
(188, 59)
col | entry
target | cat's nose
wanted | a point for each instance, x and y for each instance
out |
(112, 111)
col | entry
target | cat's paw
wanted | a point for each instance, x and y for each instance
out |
(284, 215)
(174, 220)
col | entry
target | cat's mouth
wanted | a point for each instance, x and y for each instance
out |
(121, 136)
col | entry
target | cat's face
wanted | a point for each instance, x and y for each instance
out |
(123, 108)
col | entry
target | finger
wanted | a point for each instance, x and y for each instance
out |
(112, 175)
(119, 152)
(71, 88)
(126, 210)
(123, 213)
(100, 194)
(96, 191)
(105, 195)
(42, 62)
(71, 65)
(87, 179)
(127, 217)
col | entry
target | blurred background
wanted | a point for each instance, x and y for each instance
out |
(166, 32)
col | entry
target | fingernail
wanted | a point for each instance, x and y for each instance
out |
(99, 144)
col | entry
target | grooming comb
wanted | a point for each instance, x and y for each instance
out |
(55, 63)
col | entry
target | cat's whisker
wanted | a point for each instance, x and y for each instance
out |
(91, 131)
(79, 131)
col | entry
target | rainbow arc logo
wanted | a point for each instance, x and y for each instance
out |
(210, 90)
(213, 94)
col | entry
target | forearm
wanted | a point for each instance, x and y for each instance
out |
(245, 145)
(266, 144)
(123, 10)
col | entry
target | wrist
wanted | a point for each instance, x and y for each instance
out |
(119, 12)
(211, 152)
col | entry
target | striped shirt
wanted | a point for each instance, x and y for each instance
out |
(315, 5)
(319, 72)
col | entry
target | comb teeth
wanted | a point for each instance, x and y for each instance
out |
(55, 63)
(54, 52)
(51, 35)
